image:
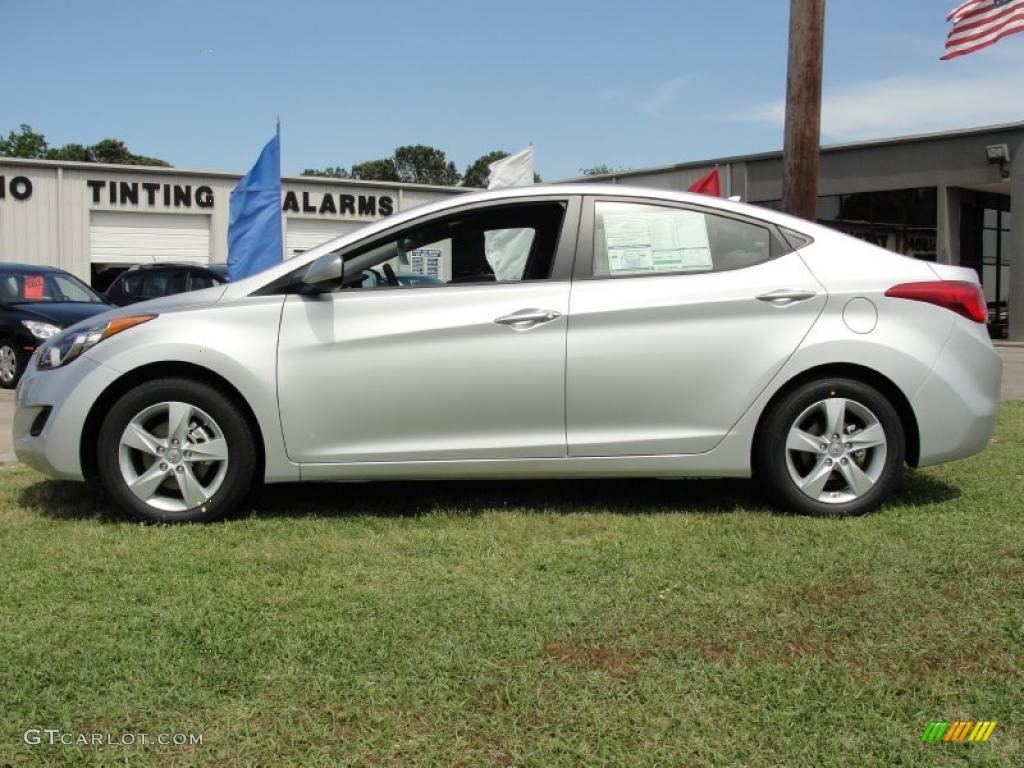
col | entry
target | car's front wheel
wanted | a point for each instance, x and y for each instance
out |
(176, 450)
(11, 364)
(832, 447)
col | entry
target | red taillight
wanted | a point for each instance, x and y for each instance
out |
(960, 296)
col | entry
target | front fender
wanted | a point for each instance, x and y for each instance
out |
(235, 340)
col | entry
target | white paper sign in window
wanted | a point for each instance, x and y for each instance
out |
(425, 261)
(638, 239)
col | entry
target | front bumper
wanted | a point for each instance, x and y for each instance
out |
(70, 393)
(956, 406)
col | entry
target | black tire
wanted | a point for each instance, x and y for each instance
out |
(772, 459)
(241, 462)
(9, 351)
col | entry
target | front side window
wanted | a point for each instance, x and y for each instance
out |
(502, 245)
(643, 239)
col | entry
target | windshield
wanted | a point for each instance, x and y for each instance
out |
(45, 287)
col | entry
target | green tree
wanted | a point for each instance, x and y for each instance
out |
(114, 151)
(376, 170)
(24, 143)
(27, 143)
(145, 160)
(111, 151)
(332, 172)
(77, 152)
(419, 164)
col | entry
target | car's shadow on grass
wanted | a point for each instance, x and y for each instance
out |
(77, 501)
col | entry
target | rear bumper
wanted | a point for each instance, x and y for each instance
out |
(956, 406)
(69, 392)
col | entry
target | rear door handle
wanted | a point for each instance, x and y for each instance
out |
(528, 318)
(783, 297)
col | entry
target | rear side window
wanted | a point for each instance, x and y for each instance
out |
(164, 282)
(644, 239)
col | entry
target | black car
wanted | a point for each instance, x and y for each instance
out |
(35, 304)
(151, 281)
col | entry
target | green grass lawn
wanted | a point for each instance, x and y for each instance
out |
(532, 623)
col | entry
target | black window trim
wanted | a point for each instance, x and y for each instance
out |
(561, 268)
(583, 268)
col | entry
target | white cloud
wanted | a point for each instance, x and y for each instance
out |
(902, 105)
(664, 95)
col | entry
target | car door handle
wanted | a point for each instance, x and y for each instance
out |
(528, 318)
(783, 297)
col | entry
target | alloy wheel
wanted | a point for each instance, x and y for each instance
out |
(835, 450)
(173, 456)
(8, 364)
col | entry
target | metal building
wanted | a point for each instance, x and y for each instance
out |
(95, 220)
(943, 197)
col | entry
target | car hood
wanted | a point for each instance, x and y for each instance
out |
(61, 313)
(175, 301)
(178, 301)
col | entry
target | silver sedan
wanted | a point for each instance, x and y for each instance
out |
(570, 331)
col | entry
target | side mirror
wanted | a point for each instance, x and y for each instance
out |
(323, 275)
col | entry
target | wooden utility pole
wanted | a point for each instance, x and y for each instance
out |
(803, 108)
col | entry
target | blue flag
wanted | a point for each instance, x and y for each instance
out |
(254, 224)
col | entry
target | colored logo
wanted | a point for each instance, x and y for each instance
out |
(961, 730)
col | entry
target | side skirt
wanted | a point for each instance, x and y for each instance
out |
(729, 459)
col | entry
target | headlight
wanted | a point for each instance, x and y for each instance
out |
(64, 348)
(41, 330)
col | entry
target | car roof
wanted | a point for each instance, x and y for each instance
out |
(177, 264)
(16, 267)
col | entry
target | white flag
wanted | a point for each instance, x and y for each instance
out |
(513, 171)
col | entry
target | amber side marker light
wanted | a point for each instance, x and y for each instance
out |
(958, 296)
(119, 324)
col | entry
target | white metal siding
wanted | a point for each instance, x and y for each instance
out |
(303, 234)
(117, 237)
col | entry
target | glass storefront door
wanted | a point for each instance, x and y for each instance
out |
(985, 246)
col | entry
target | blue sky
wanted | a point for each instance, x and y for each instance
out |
(629, 85)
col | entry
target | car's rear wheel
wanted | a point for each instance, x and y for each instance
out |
(833, 447)
(11, 364)
(176, 450)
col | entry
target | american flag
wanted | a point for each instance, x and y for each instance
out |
(978, 24)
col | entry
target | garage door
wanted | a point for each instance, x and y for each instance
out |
(304, 234)
(117, 237)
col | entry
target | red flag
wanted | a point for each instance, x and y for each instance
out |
(707, 185)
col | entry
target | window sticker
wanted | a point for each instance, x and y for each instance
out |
(425, 261)
(656, 241)
(33, 287)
